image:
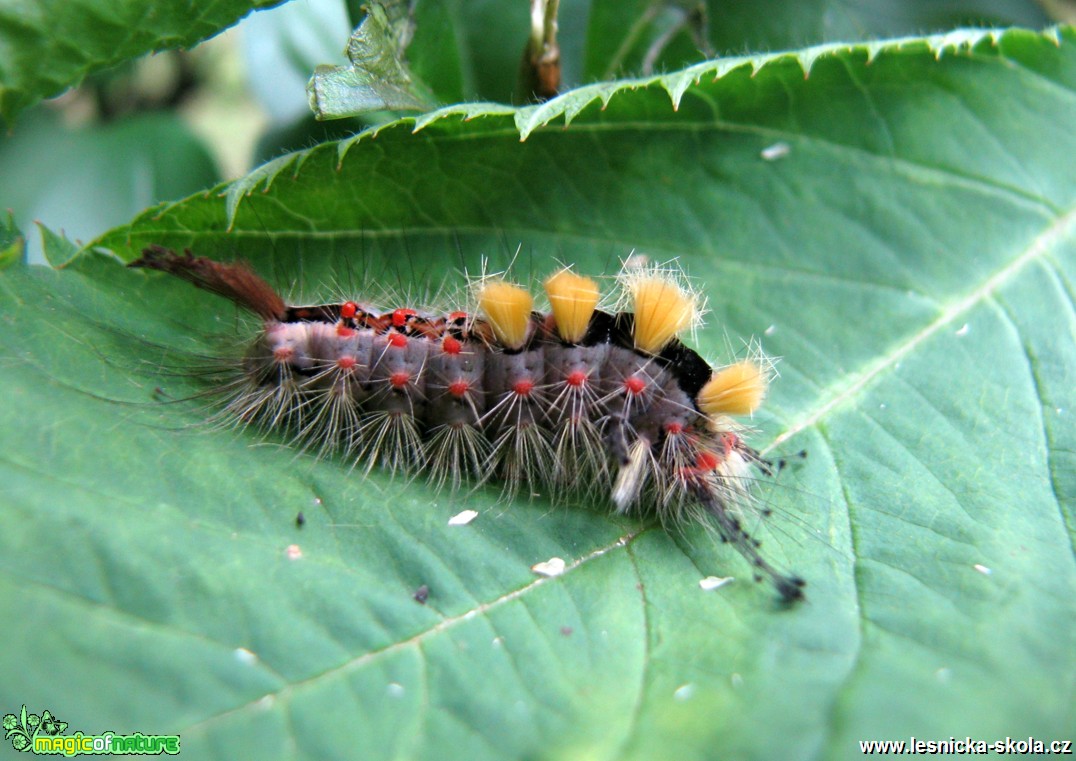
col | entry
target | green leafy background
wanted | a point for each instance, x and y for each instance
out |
(911, 258)
(49, 45)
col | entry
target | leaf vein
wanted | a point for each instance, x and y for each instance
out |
(855, 663)
(1050, 449)
(637, 708)
(1037, 248)
(441, 626)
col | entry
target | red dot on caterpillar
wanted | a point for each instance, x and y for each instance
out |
(707, 461)
(451, 346)
(634, 385)
(551, 402)
(576, 378)
(401, 316)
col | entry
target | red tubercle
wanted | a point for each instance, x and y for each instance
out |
(400, 379)
(401, 316)
(451, 345)
(348, 310)
(343, 331)
(707, 461)
(459, 388)
(283, 353)
(523, 387)
(576, 378)
(634, 385)
(457, 316)
(674, 429)
(397, 340)
(346, 362)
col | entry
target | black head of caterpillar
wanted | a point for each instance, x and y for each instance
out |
(561, 401)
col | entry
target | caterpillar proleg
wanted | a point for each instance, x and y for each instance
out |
(568, 401)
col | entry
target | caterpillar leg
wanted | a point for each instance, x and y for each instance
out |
(789, 587)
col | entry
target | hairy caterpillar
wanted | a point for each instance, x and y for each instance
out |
(570, 400)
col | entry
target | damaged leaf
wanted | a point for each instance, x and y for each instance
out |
(378, 77)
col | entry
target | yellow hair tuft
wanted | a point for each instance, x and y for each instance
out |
(508, 309)
(734, 390)
(573, 299)
(663, 308)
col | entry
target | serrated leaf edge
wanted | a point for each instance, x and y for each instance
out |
(527, 119)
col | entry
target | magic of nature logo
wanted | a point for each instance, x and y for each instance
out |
(46, 734)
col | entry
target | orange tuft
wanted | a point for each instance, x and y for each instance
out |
(662, 309)
(735, 390)
(508, 309)
(574, 299)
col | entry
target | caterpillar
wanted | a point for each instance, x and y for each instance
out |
(574, 399)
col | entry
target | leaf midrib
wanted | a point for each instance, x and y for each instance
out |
(841, 393)
(416, 639)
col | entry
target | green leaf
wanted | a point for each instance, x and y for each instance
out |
(377, 78)
(12, 242)
(899, 226)
(47, 46)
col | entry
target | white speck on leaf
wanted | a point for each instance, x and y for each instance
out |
(983, 569)
(549, 568)
(462, 518)
(962, 330)
(713, 582)
(294, 552)
(245, 656)
(776, 151)
(395, 690)
(684, 691)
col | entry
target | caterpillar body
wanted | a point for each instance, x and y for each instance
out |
(572, 400)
